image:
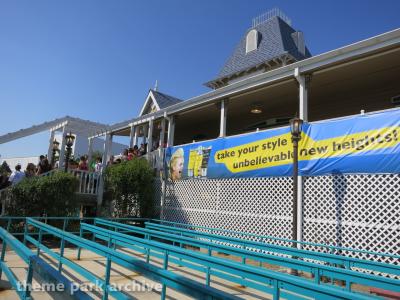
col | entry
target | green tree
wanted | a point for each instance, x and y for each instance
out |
(130, 185)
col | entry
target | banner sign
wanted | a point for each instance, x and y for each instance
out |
(360, 144)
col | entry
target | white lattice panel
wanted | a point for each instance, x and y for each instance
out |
(355, 211)
(192, 194)
(254, 205)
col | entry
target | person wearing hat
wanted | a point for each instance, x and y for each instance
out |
(17, 175)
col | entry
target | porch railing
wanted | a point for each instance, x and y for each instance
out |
(88, 181)
(155, 158)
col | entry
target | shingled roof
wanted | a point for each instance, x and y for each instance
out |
(156, 100)
(164, 100)
(278, 44)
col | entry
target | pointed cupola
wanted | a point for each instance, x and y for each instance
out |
(270, 43)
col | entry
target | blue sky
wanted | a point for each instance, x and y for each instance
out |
(97, 59)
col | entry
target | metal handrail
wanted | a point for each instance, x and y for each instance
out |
(8, 221)
(241, 273)
(167, 278)
(333, 259)
(330, 248)
(23, 252)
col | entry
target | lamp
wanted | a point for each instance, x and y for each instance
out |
(69, 141)
(55, 150)
(55, 145)
(296, 126)
(69, 138)
(256, 109)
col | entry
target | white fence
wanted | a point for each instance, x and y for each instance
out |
(88, 181)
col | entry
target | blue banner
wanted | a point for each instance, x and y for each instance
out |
(358, 144)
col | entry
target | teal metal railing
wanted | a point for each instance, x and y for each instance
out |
(264, 238)
(168, 243)
(25, 254)
(16, 225)
(174, 281)
(274, 283)
(340, 260)
(317, 270)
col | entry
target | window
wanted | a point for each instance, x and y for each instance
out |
(252, 40)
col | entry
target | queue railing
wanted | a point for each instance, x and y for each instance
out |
(172, 280)
(263, 246)
(316, 270)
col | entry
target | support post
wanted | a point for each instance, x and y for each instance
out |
(136, 137)
(90, 150)
(145, 132)
(222, 125)
(105, 158)
(303, 81)
(171, 131)
(162, 134)
(61, 159)
(132, 136)
(50, 149)
(150, 136)
(107, 149)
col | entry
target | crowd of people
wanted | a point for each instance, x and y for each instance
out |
(128, 154)
(11, 177)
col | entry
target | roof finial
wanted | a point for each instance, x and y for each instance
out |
(156, 85)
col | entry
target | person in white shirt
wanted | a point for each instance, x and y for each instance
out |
(17, 175)
(98, 166)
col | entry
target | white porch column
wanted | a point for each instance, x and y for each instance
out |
(105, 158)
(162, 133)
(303, 94)
(222, 124)
(150, 136)
(145, 133)
(107, 150)
(50, 149)
(136, 137)
(132, 136)
(171, 131)
(62, 148)
(303, 81)
(90, 150)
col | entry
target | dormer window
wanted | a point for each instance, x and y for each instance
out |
(252, 40)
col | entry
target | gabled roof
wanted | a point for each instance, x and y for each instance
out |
(164, 100)
(277, 40)
(158, 100)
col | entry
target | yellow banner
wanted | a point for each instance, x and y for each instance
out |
(278, 150)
